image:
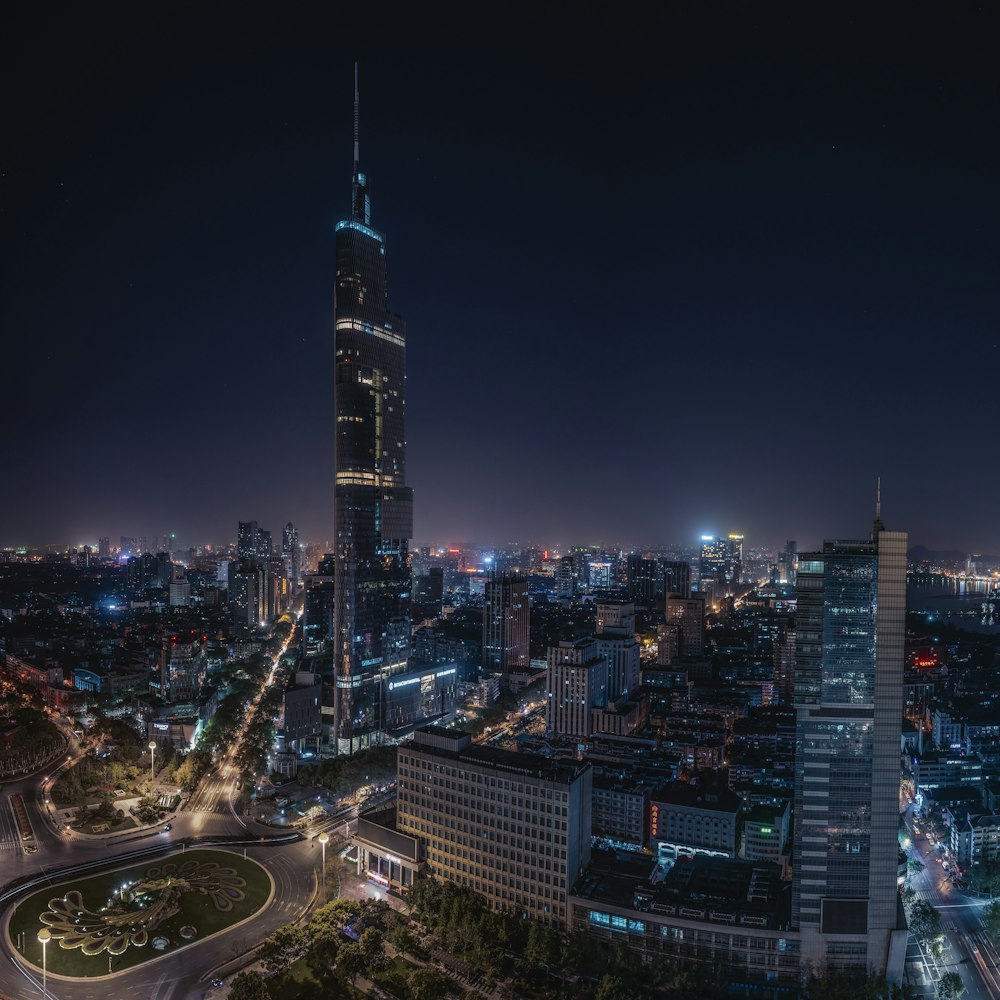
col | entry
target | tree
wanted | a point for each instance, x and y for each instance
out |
(372, 945)
(950, 986)
(837, 984)
(611, 988)
(248, 986)
(914, 866)
(403, 939)
(991, 922)
(925, 922)
(427, 984)
(324, 943)
(350, 961)
(282, 948)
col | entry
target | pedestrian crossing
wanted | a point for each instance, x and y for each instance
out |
(10, 839)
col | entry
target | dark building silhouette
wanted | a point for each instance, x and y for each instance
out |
(676, 578)
(373, 506)
(642, 580)
(506, 625)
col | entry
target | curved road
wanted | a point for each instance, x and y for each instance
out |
(215, 810)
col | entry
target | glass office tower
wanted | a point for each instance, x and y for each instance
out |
(373, 506)
(849, 631)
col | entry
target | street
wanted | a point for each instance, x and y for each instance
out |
(967, 951)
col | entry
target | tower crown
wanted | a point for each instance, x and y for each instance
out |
(361, 209)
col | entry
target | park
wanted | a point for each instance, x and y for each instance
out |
(104, 924)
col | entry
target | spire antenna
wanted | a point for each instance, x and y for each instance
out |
(357, 156)
(877, 524)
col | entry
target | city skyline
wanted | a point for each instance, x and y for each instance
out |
(777, 235)
(625, 705)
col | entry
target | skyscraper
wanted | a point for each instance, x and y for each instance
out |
(616, 642)
(506, 625)
(849, 703)
(676, 578)
(246, 540)
(373, 506)
(290, 553)
(642, 580)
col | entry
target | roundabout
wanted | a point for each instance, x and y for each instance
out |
(109, 923)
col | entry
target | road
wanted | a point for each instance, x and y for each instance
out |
(968, 951)
(215, 810)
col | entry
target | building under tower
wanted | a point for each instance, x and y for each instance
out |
(373, 506)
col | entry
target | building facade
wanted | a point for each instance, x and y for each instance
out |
(851, 606)
(576, 683)
(688, 614)
(687, 820)
(616, 642)
(513, 827)
(373, 506)
(506, 625)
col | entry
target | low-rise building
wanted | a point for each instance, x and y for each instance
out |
(765, 834)
(722, 917)
(975, 840)
(685, 819)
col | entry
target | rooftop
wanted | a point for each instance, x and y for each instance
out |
(455, 744)
(713, 890)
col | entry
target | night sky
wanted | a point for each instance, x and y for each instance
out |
(705, 272)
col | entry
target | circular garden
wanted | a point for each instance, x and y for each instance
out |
(120, 919)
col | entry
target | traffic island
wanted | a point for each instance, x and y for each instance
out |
(109, 923)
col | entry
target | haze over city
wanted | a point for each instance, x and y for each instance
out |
(701, 272)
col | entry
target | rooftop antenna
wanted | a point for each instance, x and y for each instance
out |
(877, 524)
(357, 155)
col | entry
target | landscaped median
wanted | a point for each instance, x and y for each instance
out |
(120, 919)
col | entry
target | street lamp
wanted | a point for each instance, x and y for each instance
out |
(152, 766)
(43, 936)
(324, 839)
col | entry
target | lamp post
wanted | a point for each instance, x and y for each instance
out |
(324, 839)
(43, 936)
(152, 764)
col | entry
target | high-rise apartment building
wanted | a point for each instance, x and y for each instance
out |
(373, 506)
(616, 642)
(849, 703)
(721, 563)
(577, 683)
(688, 614)
(642, 577)
(290, 553)
(514, 827)
(566, 577)
(506, 625)
(246, 540)
(788, 562)
(182, 666)
(676, 578)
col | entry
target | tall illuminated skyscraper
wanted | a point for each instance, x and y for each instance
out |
(373, 506)
(849, 632)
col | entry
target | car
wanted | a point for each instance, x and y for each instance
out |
(168, 828)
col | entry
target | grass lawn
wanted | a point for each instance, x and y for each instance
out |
(393, 977)
(89, 827)
(197, 909)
